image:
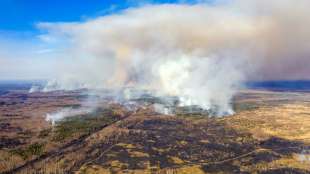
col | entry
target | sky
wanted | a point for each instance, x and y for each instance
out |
(39, 38)
(19, 30)
(22, 15)
(18, 18)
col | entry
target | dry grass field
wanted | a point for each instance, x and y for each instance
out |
(269, 133)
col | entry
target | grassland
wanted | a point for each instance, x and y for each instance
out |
(270, 133)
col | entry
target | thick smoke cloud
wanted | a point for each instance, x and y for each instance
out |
(201, 53)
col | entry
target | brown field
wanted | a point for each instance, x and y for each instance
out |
(270, 133)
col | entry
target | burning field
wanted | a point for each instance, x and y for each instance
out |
(57, 132)
(155, 86)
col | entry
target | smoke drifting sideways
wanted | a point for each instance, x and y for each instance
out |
(201, 53)
(65, 113)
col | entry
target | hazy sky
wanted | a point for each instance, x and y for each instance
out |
(22, 15)
(24, 54)
(46, 39)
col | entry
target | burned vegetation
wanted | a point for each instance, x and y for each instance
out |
(115, 139)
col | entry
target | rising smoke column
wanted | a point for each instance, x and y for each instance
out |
(200, 53)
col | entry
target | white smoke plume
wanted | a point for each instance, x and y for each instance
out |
(65, 113)
(304, 156)
(201, 53)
